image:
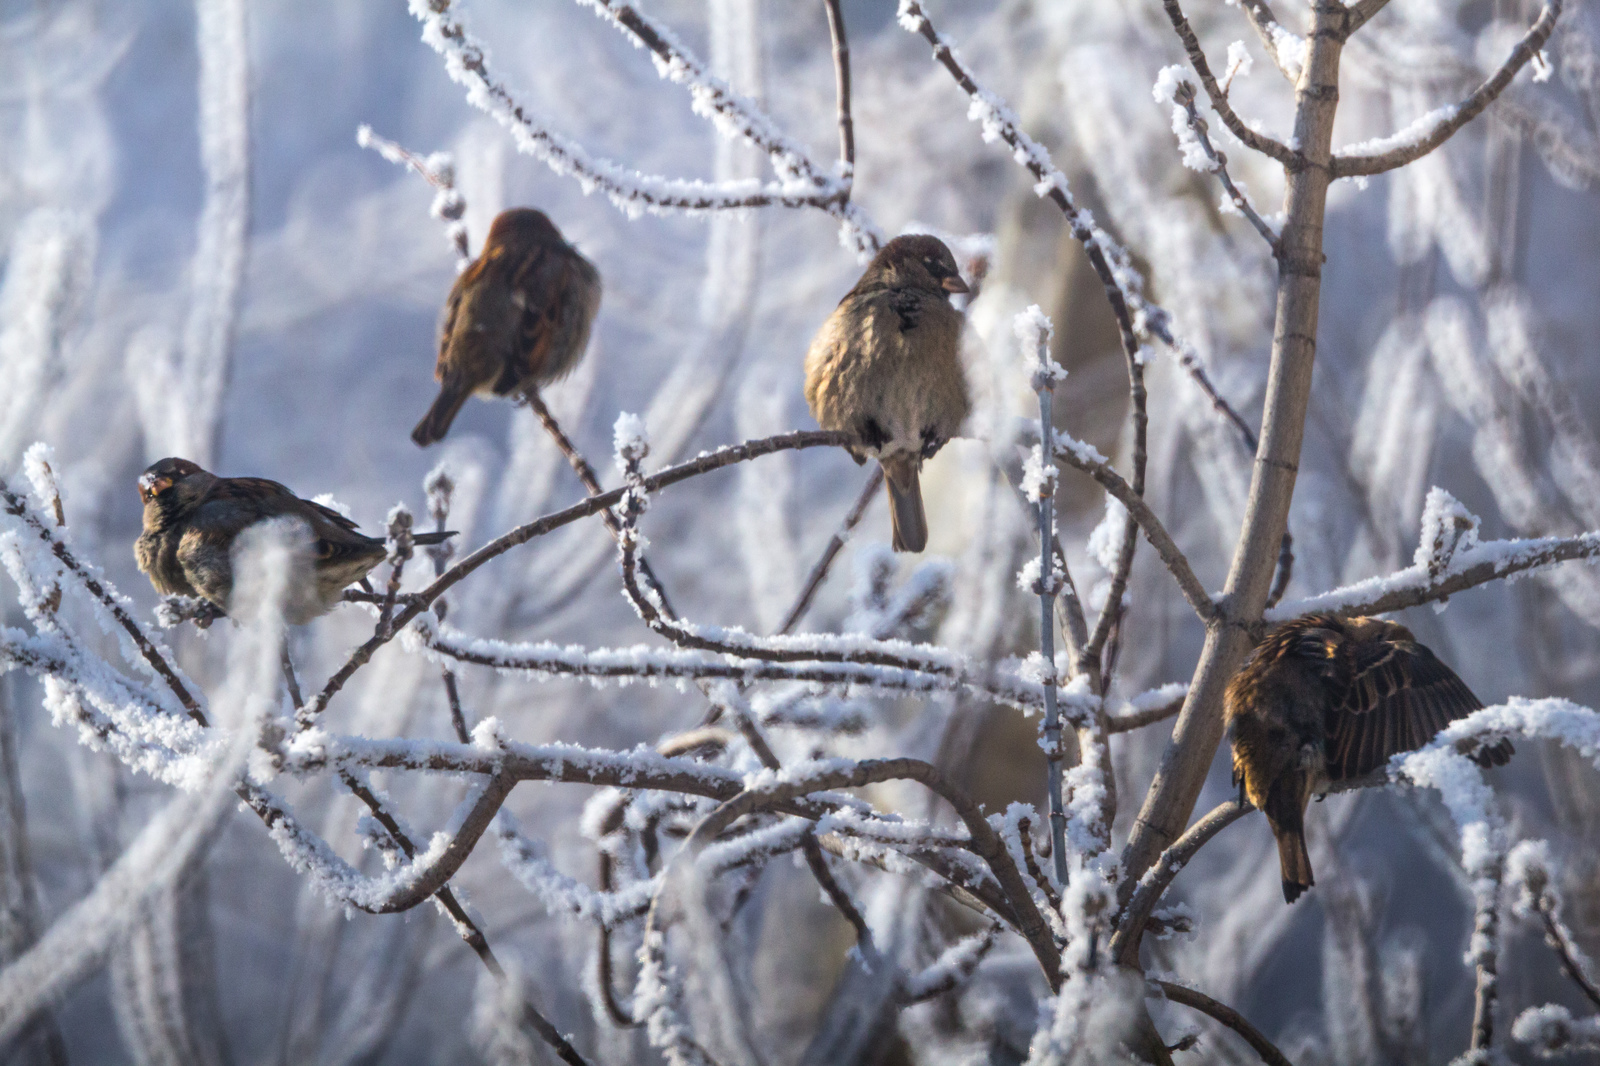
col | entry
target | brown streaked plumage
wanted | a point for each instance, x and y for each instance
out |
(192, 519)
(886, 367)
(516, 320)
(1325, 699)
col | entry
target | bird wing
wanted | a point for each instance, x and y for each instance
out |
(452, 306)
(235, 503)
(1398, 696)
(541, 280)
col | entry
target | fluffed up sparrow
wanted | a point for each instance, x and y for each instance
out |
(886, 368)
(517, 319)
(193, 517)
(1325, 699)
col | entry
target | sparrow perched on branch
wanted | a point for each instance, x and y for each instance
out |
(192, 519)
(886, 368)
(517, 319)
(1325, 699)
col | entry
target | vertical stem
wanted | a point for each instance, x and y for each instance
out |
(1047, 639)
(841, 79)
(1198, 731)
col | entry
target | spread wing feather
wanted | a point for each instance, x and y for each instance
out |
(1399, 696)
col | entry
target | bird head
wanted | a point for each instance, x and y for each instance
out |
(920, 259)
(171, 485)
(521, 228)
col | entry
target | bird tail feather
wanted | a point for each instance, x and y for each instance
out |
(436, 423)
(906, 517)
(1286, 813)
(422, 540)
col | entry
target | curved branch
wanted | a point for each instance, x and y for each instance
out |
(1130, 929)
(986, 843)
(1227, 1016)
(1219, 100)
(701, 464)
(1416, 143)
(1414, 586)
(1083, 458)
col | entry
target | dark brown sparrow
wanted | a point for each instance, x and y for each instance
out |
(517, 319)
(1325, 699)
(886, 368)
(192, 518)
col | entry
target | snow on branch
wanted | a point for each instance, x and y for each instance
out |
(1287, 50)
(438, 170)
(1450, 560)
(1198, 152)
(800, 183)
(1218, 96)
(1083, 457)
(1436, 127)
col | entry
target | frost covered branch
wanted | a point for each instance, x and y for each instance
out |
(1183, 97)
(1433, 129)
(800, 182)
(1260, 142)
(1470, 567)
(701, 464)
(1288, 51)
(1082, 457)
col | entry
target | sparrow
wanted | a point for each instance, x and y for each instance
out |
(192, 518)
(516, 320)
(886, 368)
(1324, 699)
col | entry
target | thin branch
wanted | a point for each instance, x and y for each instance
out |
(1485, 951)
(841, 80)
(1130, 928)
(1267, 146)
(1184, 96)
(800, 184)
(155, 656)
(1442, 125)
(836, 543)
(465, 927)
(1080, 456)
(1047, 886)
(986, 843)
(1125, 723)
(1227, 1016)
(1285, 574)
(591, 484)
(1361, 13)
(1475, 566)
(701, 464)
(1273, 37)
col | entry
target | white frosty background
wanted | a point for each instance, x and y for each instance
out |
(263, 295)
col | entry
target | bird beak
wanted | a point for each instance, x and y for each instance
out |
(954, 284)
(153, 485)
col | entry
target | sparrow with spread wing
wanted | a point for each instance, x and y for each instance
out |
(886, 368)
(193, 517)
(517, 319)
(1325, 699)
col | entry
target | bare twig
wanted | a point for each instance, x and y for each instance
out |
(1048, 887)
(1267, 146)
(1227, 1016)
(1361, 12)
(1148, 890)
(1124, 723)
(836, 543)
(1219, 165)
(841, 79)
(1444, 124)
